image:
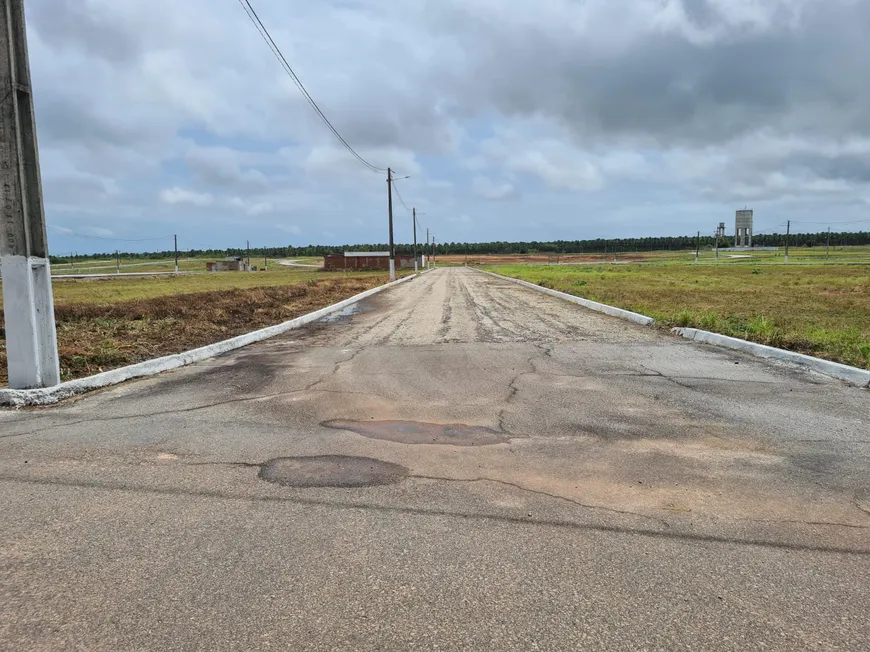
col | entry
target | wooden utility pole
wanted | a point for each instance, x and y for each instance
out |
(31, 335)
(414, 217)
(787, 229)
(390, 211)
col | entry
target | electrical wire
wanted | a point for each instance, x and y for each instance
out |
(97, 237)
(400, 198)
(848, 222)
(264, 33)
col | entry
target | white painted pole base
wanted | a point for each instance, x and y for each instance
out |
(415, 266)
(392, 269)
(31, 340)
(786, 259)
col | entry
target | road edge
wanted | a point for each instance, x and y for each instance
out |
(613, 311)
(17, 398)
(853, 375)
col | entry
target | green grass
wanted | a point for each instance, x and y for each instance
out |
(111, 290)
(819, 309)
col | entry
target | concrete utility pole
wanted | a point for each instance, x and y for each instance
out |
(414, 217)
(31, 336)
(429, 260)
(175, 237)
(433, 252)
(390, 211)
(787, 229)
(828, 244)
(117, 261)
(698, 247)
(248, 253)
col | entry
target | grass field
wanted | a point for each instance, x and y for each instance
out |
(819, 309)
(111, 322)
(797, 255)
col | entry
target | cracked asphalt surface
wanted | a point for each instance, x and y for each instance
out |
(463, 464)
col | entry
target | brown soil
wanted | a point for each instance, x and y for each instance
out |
(95, 338)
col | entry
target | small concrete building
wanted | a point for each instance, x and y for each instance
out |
(366, 260)
(230, 265)
(743, 229)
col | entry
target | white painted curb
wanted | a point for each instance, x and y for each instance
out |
(50, 395)
(592, 305)
(853, 375)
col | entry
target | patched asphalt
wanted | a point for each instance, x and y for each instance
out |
(460, 464)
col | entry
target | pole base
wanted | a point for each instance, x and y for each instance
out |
(31, 338)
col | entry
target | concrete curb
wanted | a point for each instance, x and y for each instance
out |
(50, 395)
(853, 375)
(637, 318)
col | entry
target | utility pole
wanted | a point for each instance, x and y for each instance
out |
(787, 229)
(175, 237)
(414, 217)
(698, 247)
(31, 334)
(828, 244)
(433, 252)
(265, 262)
(248, 253)
(429, 260)
(118, 261)
(390, 212)
(717, 244)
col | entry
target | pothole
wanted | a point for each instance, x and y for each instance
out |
(331, 471)
(416, 432)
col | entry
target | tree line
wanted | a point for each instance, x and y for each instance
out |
(597, 246)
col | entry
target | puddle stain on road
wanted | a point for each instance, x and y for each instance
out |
(416, 432)
(341, 471)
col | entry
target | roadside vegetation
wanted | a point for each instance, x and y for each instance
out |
(107, 323)
(821, 310)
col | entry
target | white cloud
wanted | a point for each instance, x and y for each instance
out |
(629, 110)
(487, 189)
(178, 195)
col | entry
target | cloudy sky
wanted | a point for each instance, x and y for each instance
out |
(515, 119)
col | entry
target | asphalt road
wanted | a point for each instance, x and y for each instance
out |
(464, 464)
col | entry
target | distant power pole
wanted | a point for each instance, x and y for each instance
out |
(248, 253)
(429, 261)
(118, 261)
(265, 262)
(176, 254)
(433, 252)
(698, 247)
(787, 229)
(390, 212)
(414, 217)
(828, 244)
(31, 335)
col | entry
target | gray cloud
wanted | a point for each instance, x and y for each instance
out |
(621, 106)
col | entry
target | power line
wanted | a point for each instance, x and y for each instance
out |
(400, 198)
(264, 33)
(849, 222)
(97, 237)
